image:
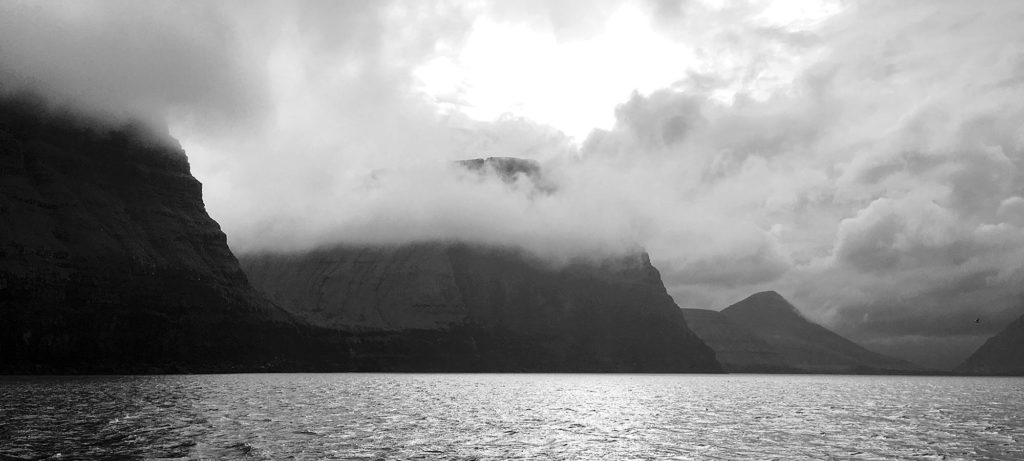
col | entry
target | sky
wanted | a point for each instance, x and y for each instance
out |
(863, 158)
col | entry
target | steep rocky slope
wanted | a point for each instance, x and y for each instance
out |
(515, 312)
(1002, 354)
(110, 263)
(108, 259)
(764, 332)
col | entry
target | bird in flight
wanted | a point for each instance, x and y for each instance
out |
(977, 320)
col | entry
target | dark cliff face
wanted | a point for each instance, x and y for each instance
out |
(110, 263)
(108, 259)
(764, 332)
(510, 311)
(1002, 354)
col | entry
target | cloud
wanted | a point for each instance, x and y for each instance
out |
(663, 119)
(731, 262)
(864, 158)
(127, 59)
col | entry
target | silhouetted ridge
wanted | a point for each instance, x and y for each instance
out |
(737, 348)
(27, 116)
(1002, 354)
(768, 304)
(511, 311)
(108, 259)
(783, 340)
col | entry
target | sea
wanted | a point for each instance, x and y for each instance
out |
(510, 416)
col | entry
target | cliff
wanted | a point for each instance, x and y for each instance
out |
(512, 311)
(1002, 354)
(108, 259)
(764, 332)
(109, 262)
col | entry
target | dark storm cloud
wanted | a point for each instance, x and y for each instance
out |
(128, 59)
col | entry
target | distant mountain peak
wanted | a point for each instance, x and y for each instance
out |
(770, 294)
(793, 341)
(765, 302)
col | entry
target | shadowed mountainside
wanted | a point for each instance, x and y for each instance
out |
(108, 259)
(738, 349)
(109, 263)
(610, 316)
(764, 332)
(1002, 354)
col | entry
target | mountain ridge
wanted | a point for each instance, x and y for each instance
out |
(786, 340)
(613, 316)
(109, 260)
(1002, 354)
(765, 300)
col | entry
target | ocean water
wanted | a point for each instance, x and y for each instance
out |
(505, 416)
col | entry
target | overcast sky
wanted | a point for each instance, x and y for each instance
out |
(863, 158)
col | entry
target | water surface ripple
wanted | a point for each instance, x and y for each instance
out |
(504, 416)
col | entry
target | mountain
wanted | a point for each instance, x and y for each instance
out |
(1002, 354)
(513, 311)
(738, 349)
(109, 261)
(764, 332)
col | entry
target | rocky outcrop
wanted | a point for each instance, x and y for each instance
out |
(765, 333)
(1002, 354)
(506, 168)
(108, 259)
(515, 312)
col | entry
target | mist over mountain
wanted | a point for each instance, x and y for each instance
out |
(828, 151)
(109, 261)
(519, 308)
(111, 264)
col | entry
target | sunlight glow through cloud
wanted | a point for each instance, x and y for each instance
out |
(798, 14)
(863, 156)
(575, 85)
(572, 85)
